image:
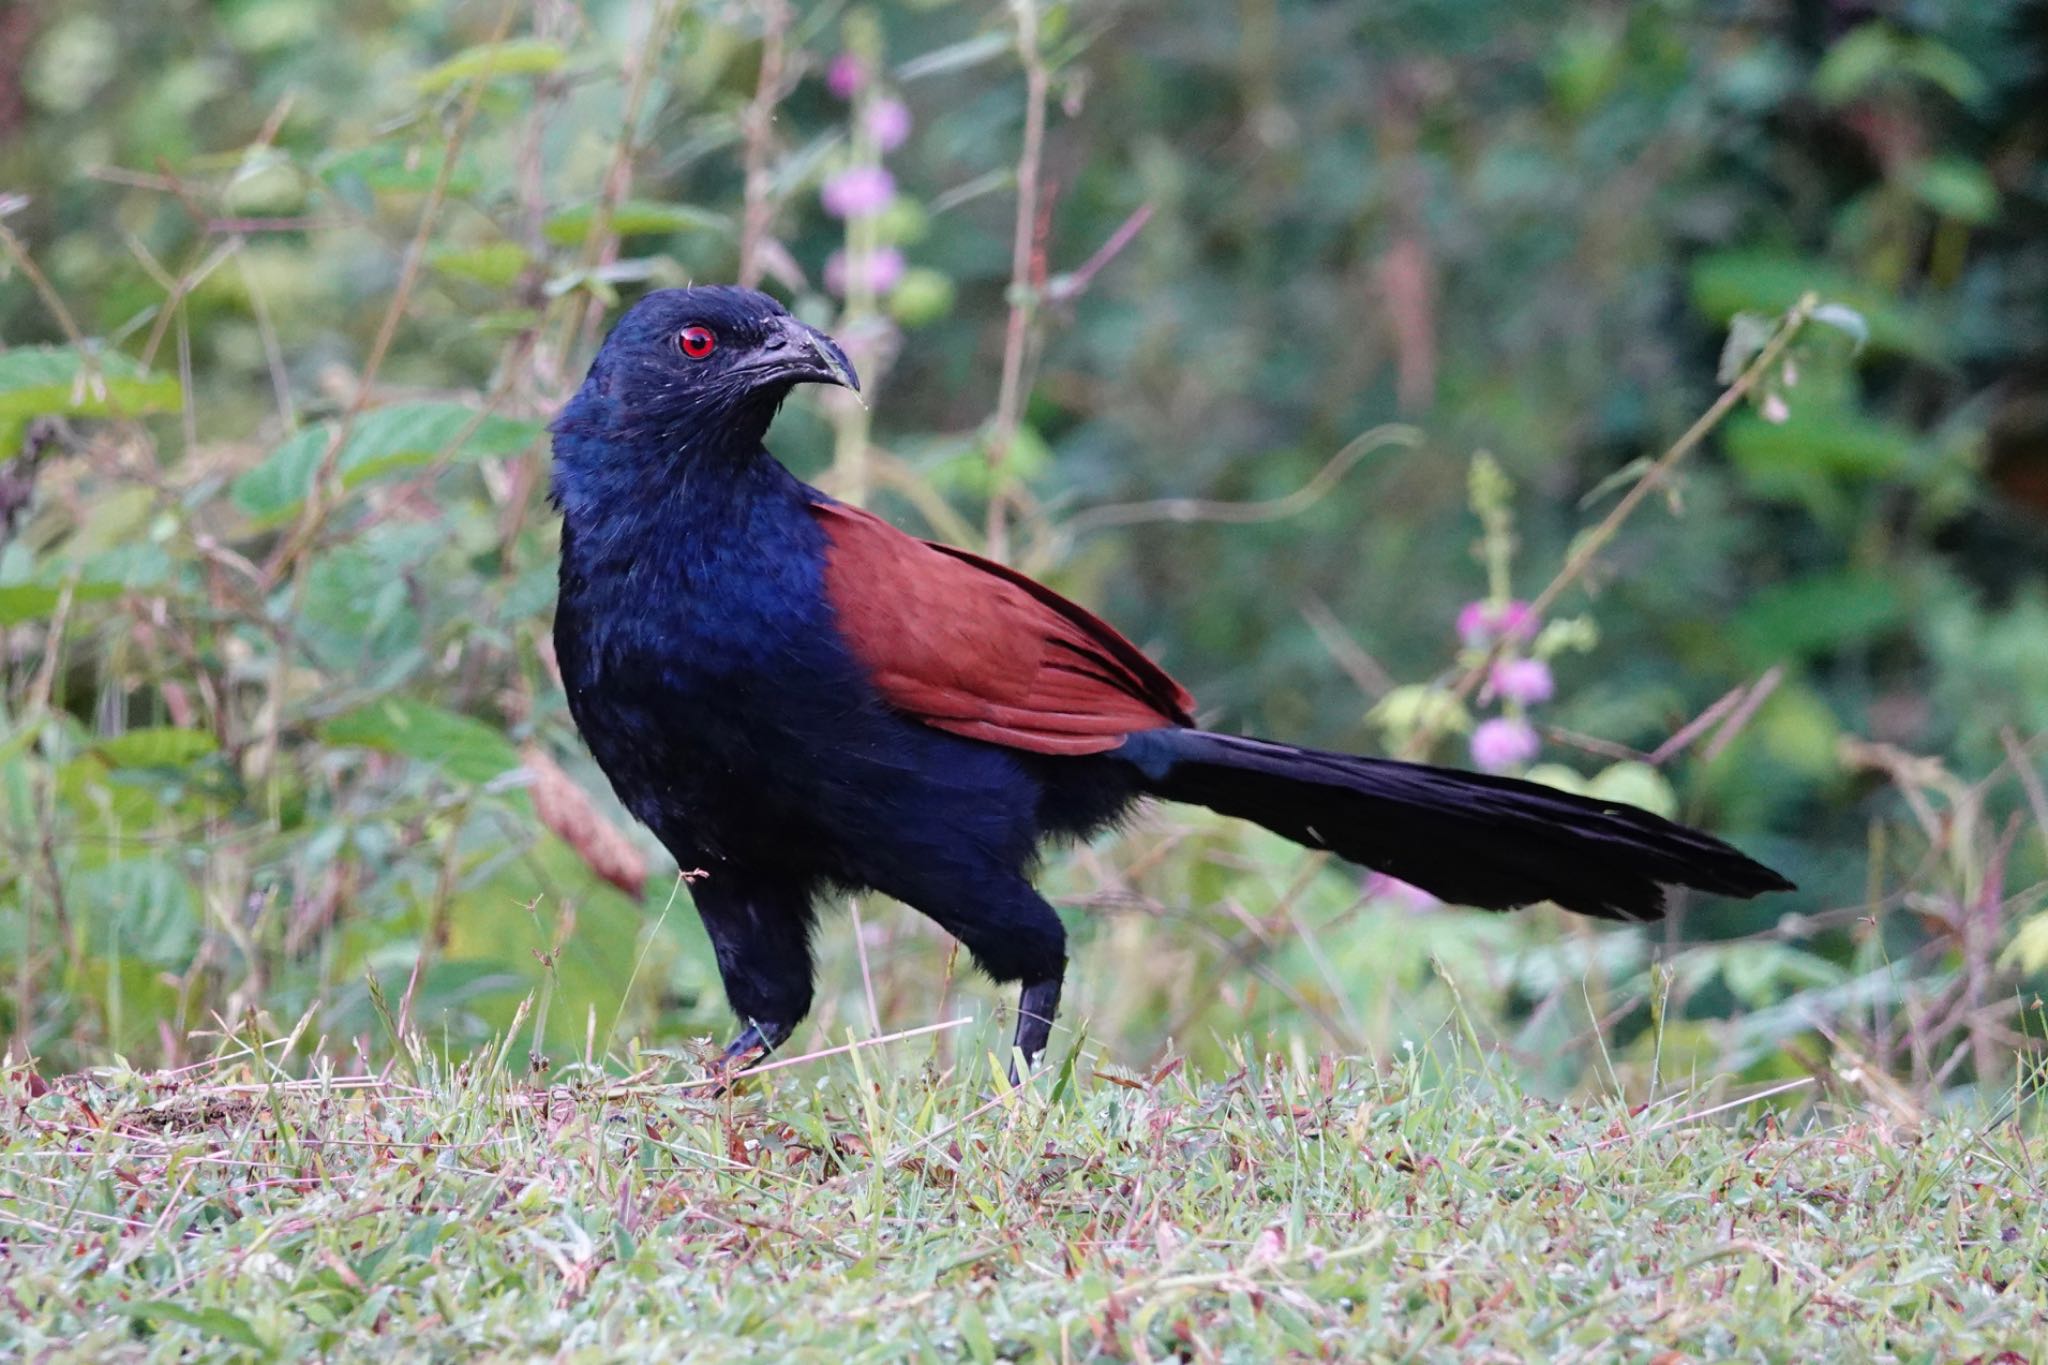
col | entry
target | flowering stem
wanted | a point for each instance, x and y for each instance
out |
(1590, 544)
(1023, 297)
(850, 422)
(1596, 540)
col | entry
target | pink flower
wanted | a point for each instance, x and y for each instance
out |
(1503, 743)
(884, 267)
(846, 75)
(858, 192)
(1404, 894)
(1481, 623)
(888, 123)
(1527, 681)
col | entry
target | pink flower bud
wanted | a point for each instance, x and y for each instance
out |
(883, 268)
(1404, 894)
(1527, 681)
(1503, 743)
(858, 192)
(1481, 623)
(846, 75)
(888, 123)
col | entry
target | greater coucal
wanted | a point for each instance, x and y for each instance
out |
(794, 694)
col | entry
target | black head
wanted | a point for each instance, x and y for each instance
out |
(705, 365)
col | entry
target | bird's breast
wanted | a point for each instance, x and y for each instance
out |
(711, 687)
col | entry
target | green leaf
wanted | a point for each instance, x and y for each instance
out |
(1748, 333)
(1857, 60)
(1822, 440)
(1731, 282)
(40, 380)
(496, 264)
(515, 57)
(1845, 320)
(165, 746)
(983, 47)
(634, 217)
(1636, 784)
(21, 602)
(1816, 614)
(403, 436)
(2029, 947)
(1958, 189)
(393, 167)
(213, 1322)
(465, 748)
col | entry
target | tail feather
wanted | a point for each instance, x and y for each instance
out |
(1471, 838)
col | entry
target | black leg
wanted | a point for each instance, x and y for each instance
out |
(1014, 936)
(761, 933)
(1037, 1005)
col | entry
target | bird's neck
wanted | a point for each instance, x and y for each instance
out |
(629, 507)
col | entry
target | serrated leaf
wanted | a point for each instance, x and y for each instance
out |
(403, 436)
(39, 380)
(634, 217)
(164, 746)
(464, 747)
(514, 57)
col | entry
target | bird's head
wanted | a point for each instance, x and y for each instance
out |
(704, 367)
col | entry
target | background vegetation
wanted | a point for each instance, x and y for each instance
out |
(1279, 331)
(1646, 396)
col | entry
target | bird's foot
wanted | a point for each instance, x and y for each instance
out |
(751, 1048)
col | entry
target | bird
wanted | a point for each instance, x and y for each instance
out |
(796, 697)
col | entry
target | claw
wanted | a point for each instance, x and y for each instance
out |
(751, 1048)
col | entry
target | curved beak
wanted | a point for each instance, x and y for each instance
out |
(797, 354)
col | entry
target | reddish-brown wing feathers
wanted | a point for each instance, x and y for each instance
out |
(969, 646)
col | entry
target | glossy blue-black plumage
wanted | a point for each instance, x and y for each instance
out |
(712, 676)
(705, 670)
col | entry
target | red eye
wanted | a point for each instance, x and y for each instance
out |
(696, 342)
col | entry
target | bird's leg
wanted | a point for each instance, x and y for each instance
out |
(1014, 936)
(761, 933)
(1037, 1003)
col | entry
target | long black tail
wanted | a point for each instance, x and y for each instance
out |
(1492, 842)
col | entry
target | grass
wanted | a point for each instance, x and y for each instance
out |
(872, 1205)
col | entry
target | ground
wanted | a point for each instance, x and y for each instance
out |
(873, 1205)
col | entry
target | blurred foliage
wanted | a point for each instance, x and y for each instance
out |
(300, 285)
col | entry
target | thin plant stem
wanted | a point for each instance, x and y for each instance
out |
(1023, 290)
(758, 218)
(1657, 475)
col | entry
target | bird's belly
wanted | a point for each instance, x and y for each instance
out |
(725, 763)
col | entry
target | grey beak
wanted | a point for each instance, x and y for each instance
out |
(804, 355)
